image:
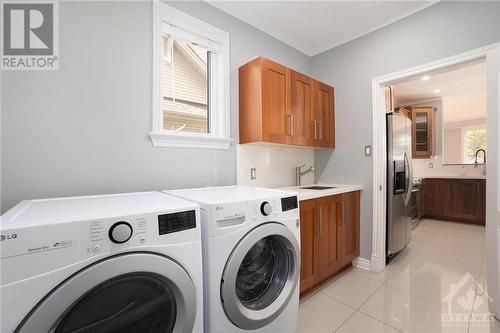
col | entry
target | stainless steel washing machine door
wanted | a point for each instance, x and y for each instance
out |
(260, 276)
(135, 292)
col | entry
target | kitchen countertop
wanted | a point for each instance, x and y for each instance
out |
(304, 194)
(454, 177)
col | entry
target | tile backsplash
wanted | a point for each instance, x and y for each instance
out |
(274, 165)
(421, 169)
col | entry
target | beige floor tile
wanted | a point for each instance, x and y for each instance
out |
(435, 283)
(410, 293)
(361, 323)
(352, 288)
(411, 313)
(319, 313)
(482, 320)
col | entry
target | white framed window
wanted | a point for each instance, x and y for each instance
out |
(190, 82)
(474, 138)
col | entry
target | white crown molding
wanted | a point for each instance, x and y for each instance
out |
(313, 51)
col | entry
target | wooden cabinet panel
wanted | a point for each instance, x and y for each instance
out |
(275, 103)
(349, 222)
(459, 200)
(324, 118)
(309, 246)
(433, 197)
(302, 95)
(331, 260)
(278, 105)
(329, 237)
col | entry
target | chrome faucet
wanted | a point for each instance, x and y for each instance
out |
(299, 173)
(475, 160)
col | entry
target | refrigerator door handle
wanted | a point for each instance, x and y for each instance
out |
(410, 179)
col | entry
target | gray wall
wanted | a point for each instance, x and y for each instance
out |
(439, 31)
(83, 129)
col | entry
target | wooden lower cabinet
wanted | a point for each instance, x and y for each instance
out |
(329, 231)
(459, 200)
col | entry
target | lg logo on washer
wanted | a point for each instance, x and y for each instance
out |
(8, 236)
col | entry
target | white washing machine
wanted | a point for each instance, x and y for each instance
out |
(114, 263)
(251, 258)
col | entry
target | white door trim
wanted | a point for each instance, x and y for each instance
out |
(379, 143)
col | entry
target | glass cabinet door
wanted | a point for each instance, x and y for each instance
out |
(422, 127)
(421, 132)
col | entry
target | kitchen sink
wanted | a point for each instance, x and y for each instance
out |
(317, 187)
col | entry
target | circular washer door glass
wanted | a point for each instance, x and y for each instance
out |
(263, 273)
(132, 303)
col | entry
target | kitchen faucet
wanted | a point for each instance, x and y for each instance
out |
(299, 173)
(475, 160)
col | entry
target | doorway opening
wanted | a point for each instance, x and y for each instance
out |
(448, 139)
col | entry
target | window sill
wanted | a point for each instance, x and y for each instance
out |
(168, 140)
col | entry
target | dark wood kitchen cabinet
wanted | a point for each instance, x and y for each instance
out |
(329, 237)
(459, 200)
(280, 105)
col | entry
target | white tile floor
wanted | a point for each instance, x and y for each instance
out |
(436, 285)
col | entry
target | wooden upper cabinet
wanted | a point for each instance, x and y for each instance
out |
(279, 105)
(264, 95)
(302, 94)
(422, 128)
(324, 116)
(276, 114)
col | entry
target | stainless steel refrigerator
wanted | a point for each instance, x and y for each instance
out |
(399, 183)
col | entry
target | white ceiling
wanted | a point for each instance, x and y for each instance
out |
(462, 90)
(316, 26)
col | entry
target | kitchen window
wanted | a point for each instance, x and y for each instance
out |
(474, 138)
(190, 82)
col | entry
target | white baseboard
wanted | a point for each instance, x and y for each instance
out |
(377, 265)
(362, 263)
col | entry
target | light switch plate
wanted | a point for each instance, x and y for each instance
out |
(431, 165)
(368, 150)
(253, 173)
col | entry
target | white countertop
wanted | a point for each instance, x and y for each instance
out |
(304, 194)
(455, 177)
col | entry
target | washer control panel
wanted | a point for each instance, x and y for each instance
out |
(120, 232)
(107, 234)
(266, 208)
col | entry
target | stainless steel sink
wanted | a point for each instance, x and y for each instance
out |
(317, 187)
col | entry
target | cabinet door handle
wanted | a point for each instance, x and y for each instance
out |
(478, 192)
(344, 212)
(290, 124)
(320, 131)
(320, 219)
(314, 127)
(317, 228)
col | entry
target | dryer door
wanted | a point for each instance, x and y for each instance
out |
(260, 276)
(136, 292)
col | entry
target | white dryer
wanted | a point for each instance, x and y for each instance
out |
(251, 258)
(113, 263)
